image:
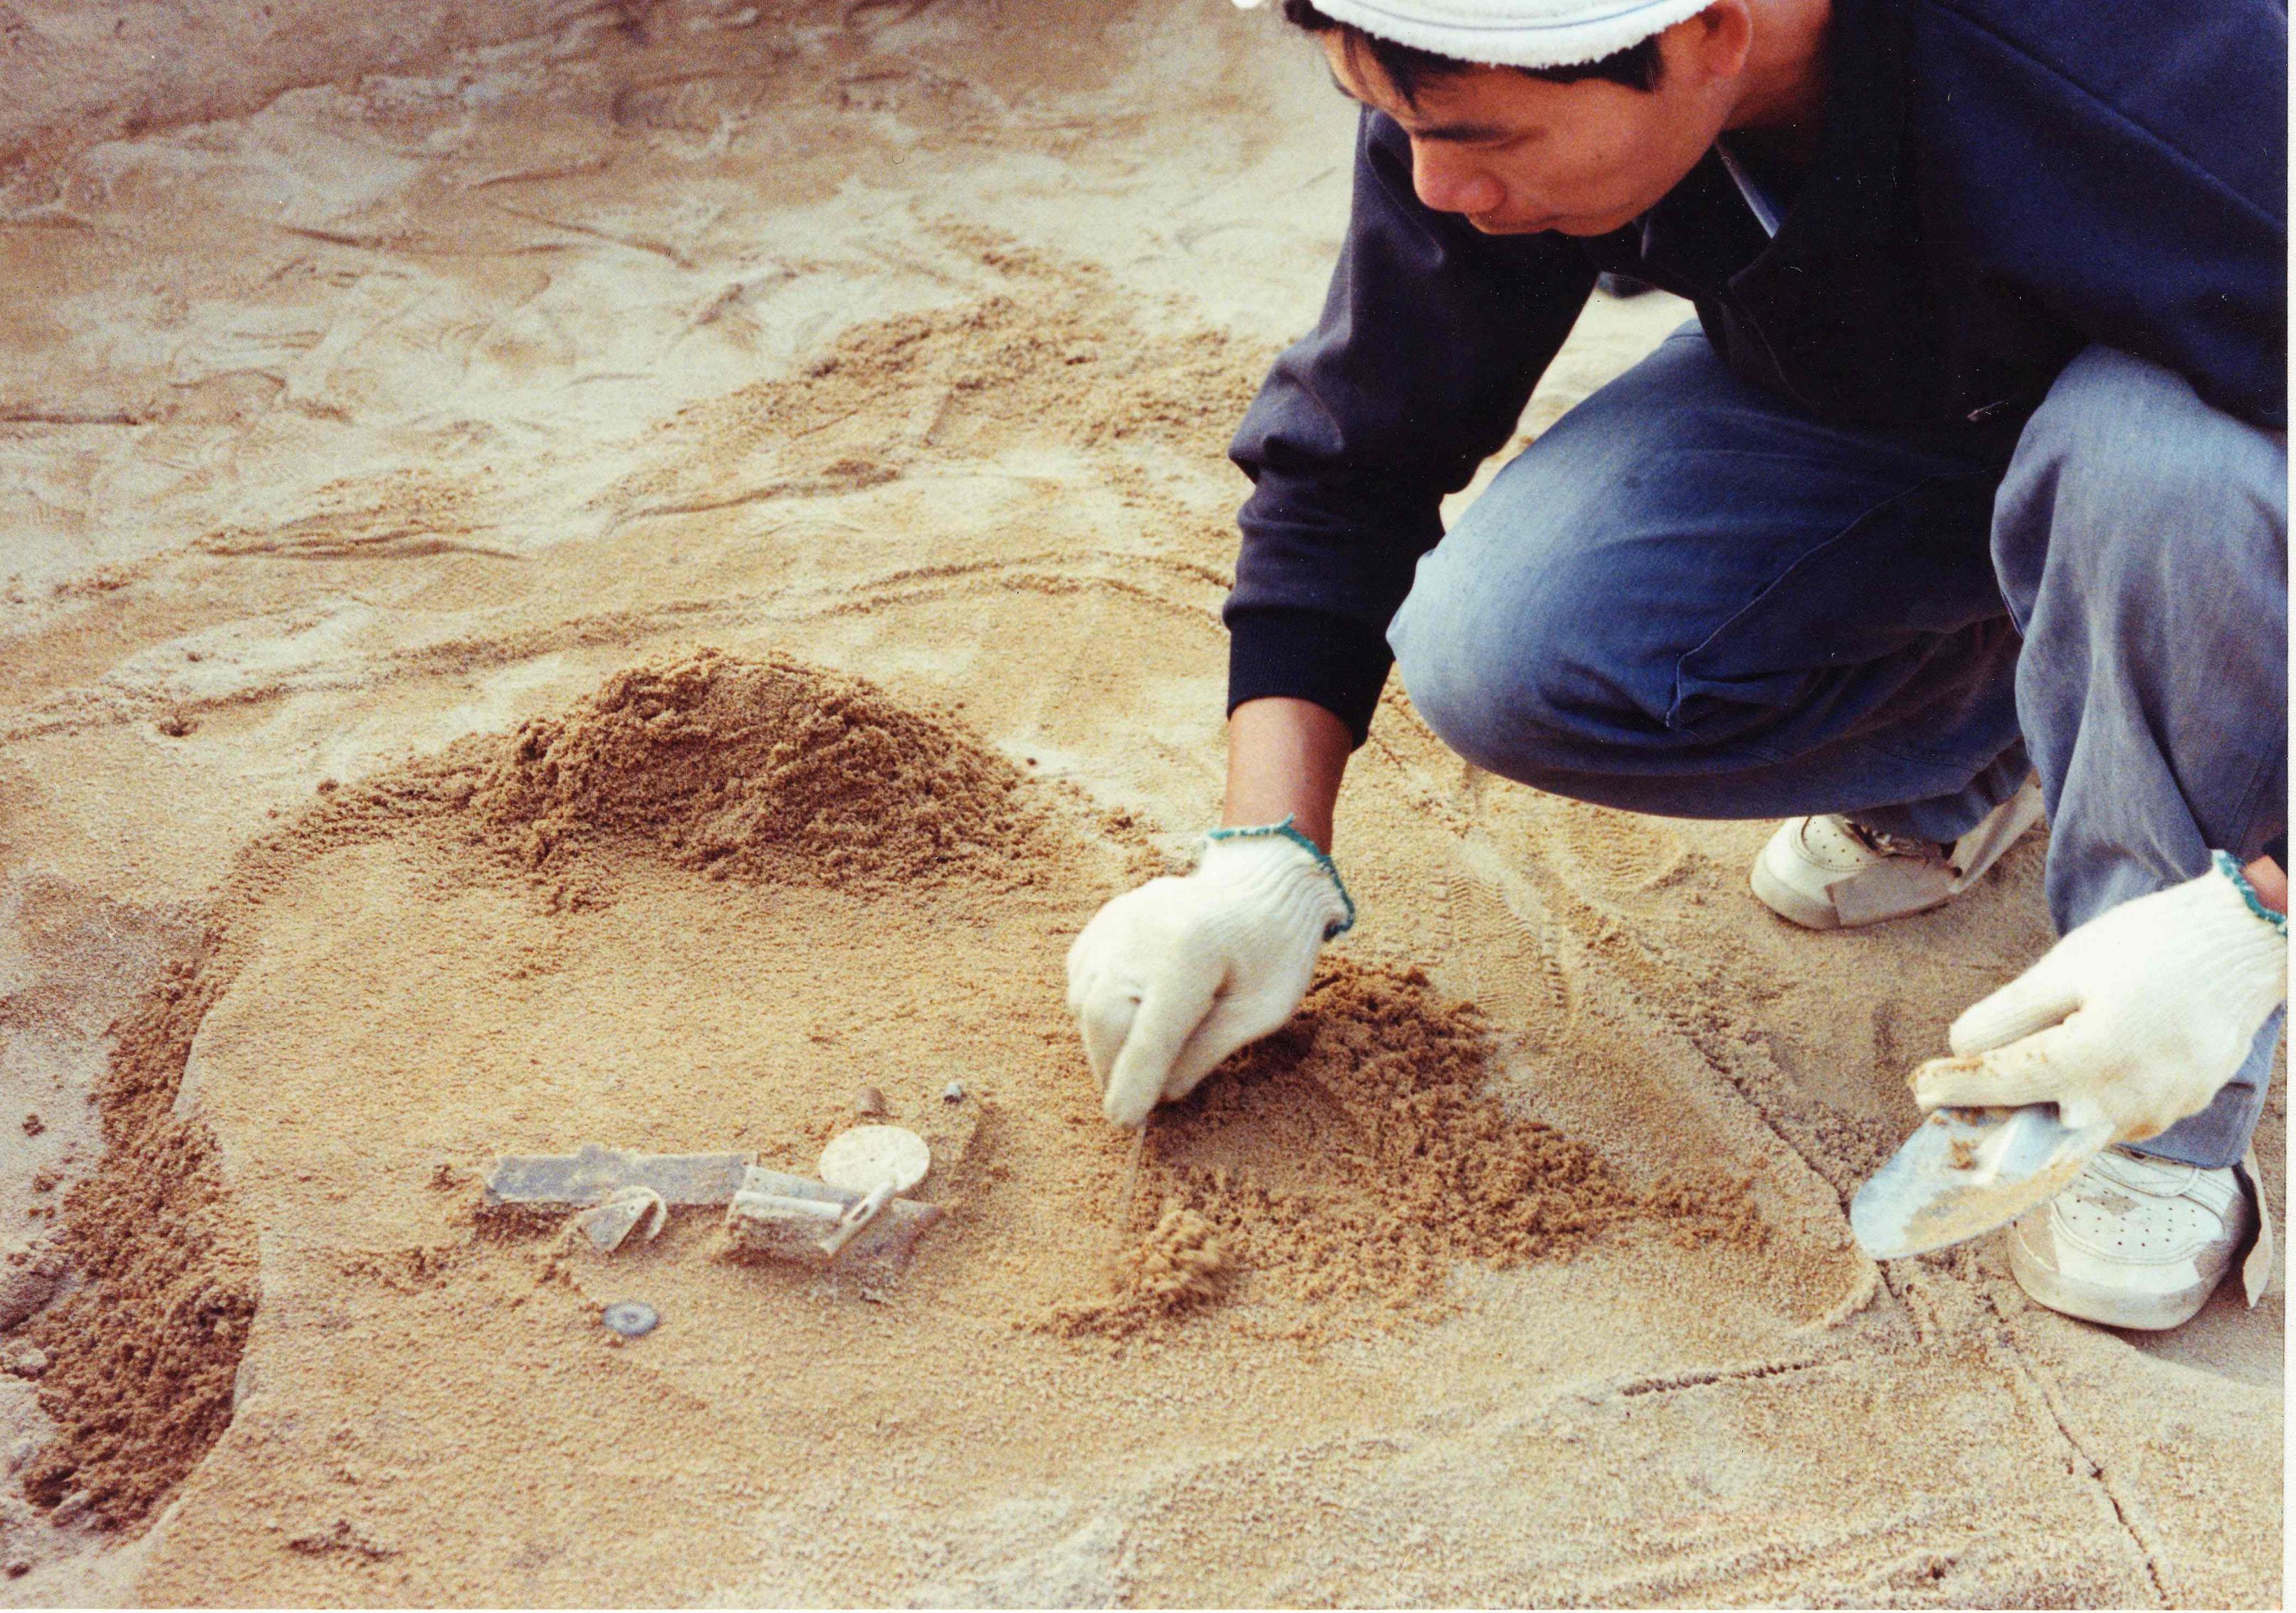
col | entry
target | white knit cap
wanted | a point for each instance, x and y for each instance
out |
(1512, 33)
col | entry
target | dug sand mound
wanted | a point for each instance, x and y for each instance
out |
(1341, 1168)
(757, 771)
(137, 1359)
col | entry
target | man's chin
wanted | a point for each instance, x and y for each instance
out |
(1587, 229)
(1579, 227)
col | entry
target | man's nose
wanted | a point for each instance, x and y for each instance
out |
(1450, 182)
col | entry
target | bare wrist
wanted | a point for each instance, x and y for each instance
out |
(2269, 881)
(1285, 759)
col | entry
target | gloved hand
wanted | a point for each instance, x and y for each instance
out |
(1169, 979)
(2137, 1017)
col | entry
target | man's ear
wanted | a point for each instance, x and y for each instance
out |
(1712, 46)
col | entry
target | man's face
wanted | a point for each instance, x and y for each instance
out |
(1515, 155)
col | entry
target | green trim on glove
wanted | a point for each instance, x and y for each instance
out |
(2230, 870)
(1284, 831)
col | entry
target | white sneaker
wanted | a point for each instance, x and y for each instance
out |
(1828, 873)
(2134, 1243)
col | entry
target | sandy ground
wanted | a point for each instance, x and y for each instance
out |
(351, 426)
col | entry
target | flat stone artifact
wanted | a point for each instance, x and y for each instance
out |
(595, 1173)
(863, 1157)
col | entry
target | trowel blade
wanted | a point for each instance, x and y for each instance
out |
(1966, 1171)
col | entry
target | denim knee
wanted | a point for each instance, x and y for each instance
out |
(2132, 491)
(1532, 677)
(1459, 667)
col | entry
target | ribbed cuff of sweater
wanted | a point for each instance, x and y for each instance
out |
(1337, 663)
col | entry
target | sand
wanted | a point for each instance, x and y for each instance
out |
(623, 575)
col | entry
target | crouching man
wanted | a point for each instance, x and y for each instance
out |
(1963, 499)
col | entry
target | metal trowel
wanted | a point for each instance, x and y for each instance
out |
(1966, 1171)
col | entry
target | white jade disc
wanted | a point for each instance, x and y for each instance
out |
(861, 1158)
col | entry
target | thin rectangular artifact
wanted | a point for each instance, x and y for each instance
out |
(545, 1183)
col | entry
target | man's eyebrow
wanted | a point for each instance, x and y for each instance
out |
(1464, 133)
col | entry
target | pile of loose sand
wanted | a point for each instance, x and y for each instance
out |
(757, 771)
(140, 1353)
(1352, 1159)
(1178, 1267)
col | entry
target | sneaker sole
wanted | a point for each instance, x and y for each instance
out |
(2137, 1312)
(1816, 913)
(1824, 912)
(1790, 904)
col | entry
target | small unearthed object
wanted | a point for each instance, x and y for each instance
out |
(854, 1214)
(876, 1162)
(608, 1226)
(564, 1183)
(630, 1317)
(871, 1102)
(779, 1217)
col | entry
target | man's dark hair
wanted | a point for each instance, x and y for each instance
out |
(1409, 68)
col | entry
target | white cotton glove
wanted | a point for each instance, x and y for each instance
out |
(2135, 1018)
(1169, 979)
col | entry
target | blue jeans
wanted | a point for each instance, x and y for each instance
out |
(1687, 598)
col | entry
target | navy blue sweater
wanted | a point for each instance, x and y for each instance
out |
(1997, 183)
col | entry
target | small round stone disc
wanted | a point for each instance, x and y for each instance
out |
(630, 1317)
(859, 1159)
